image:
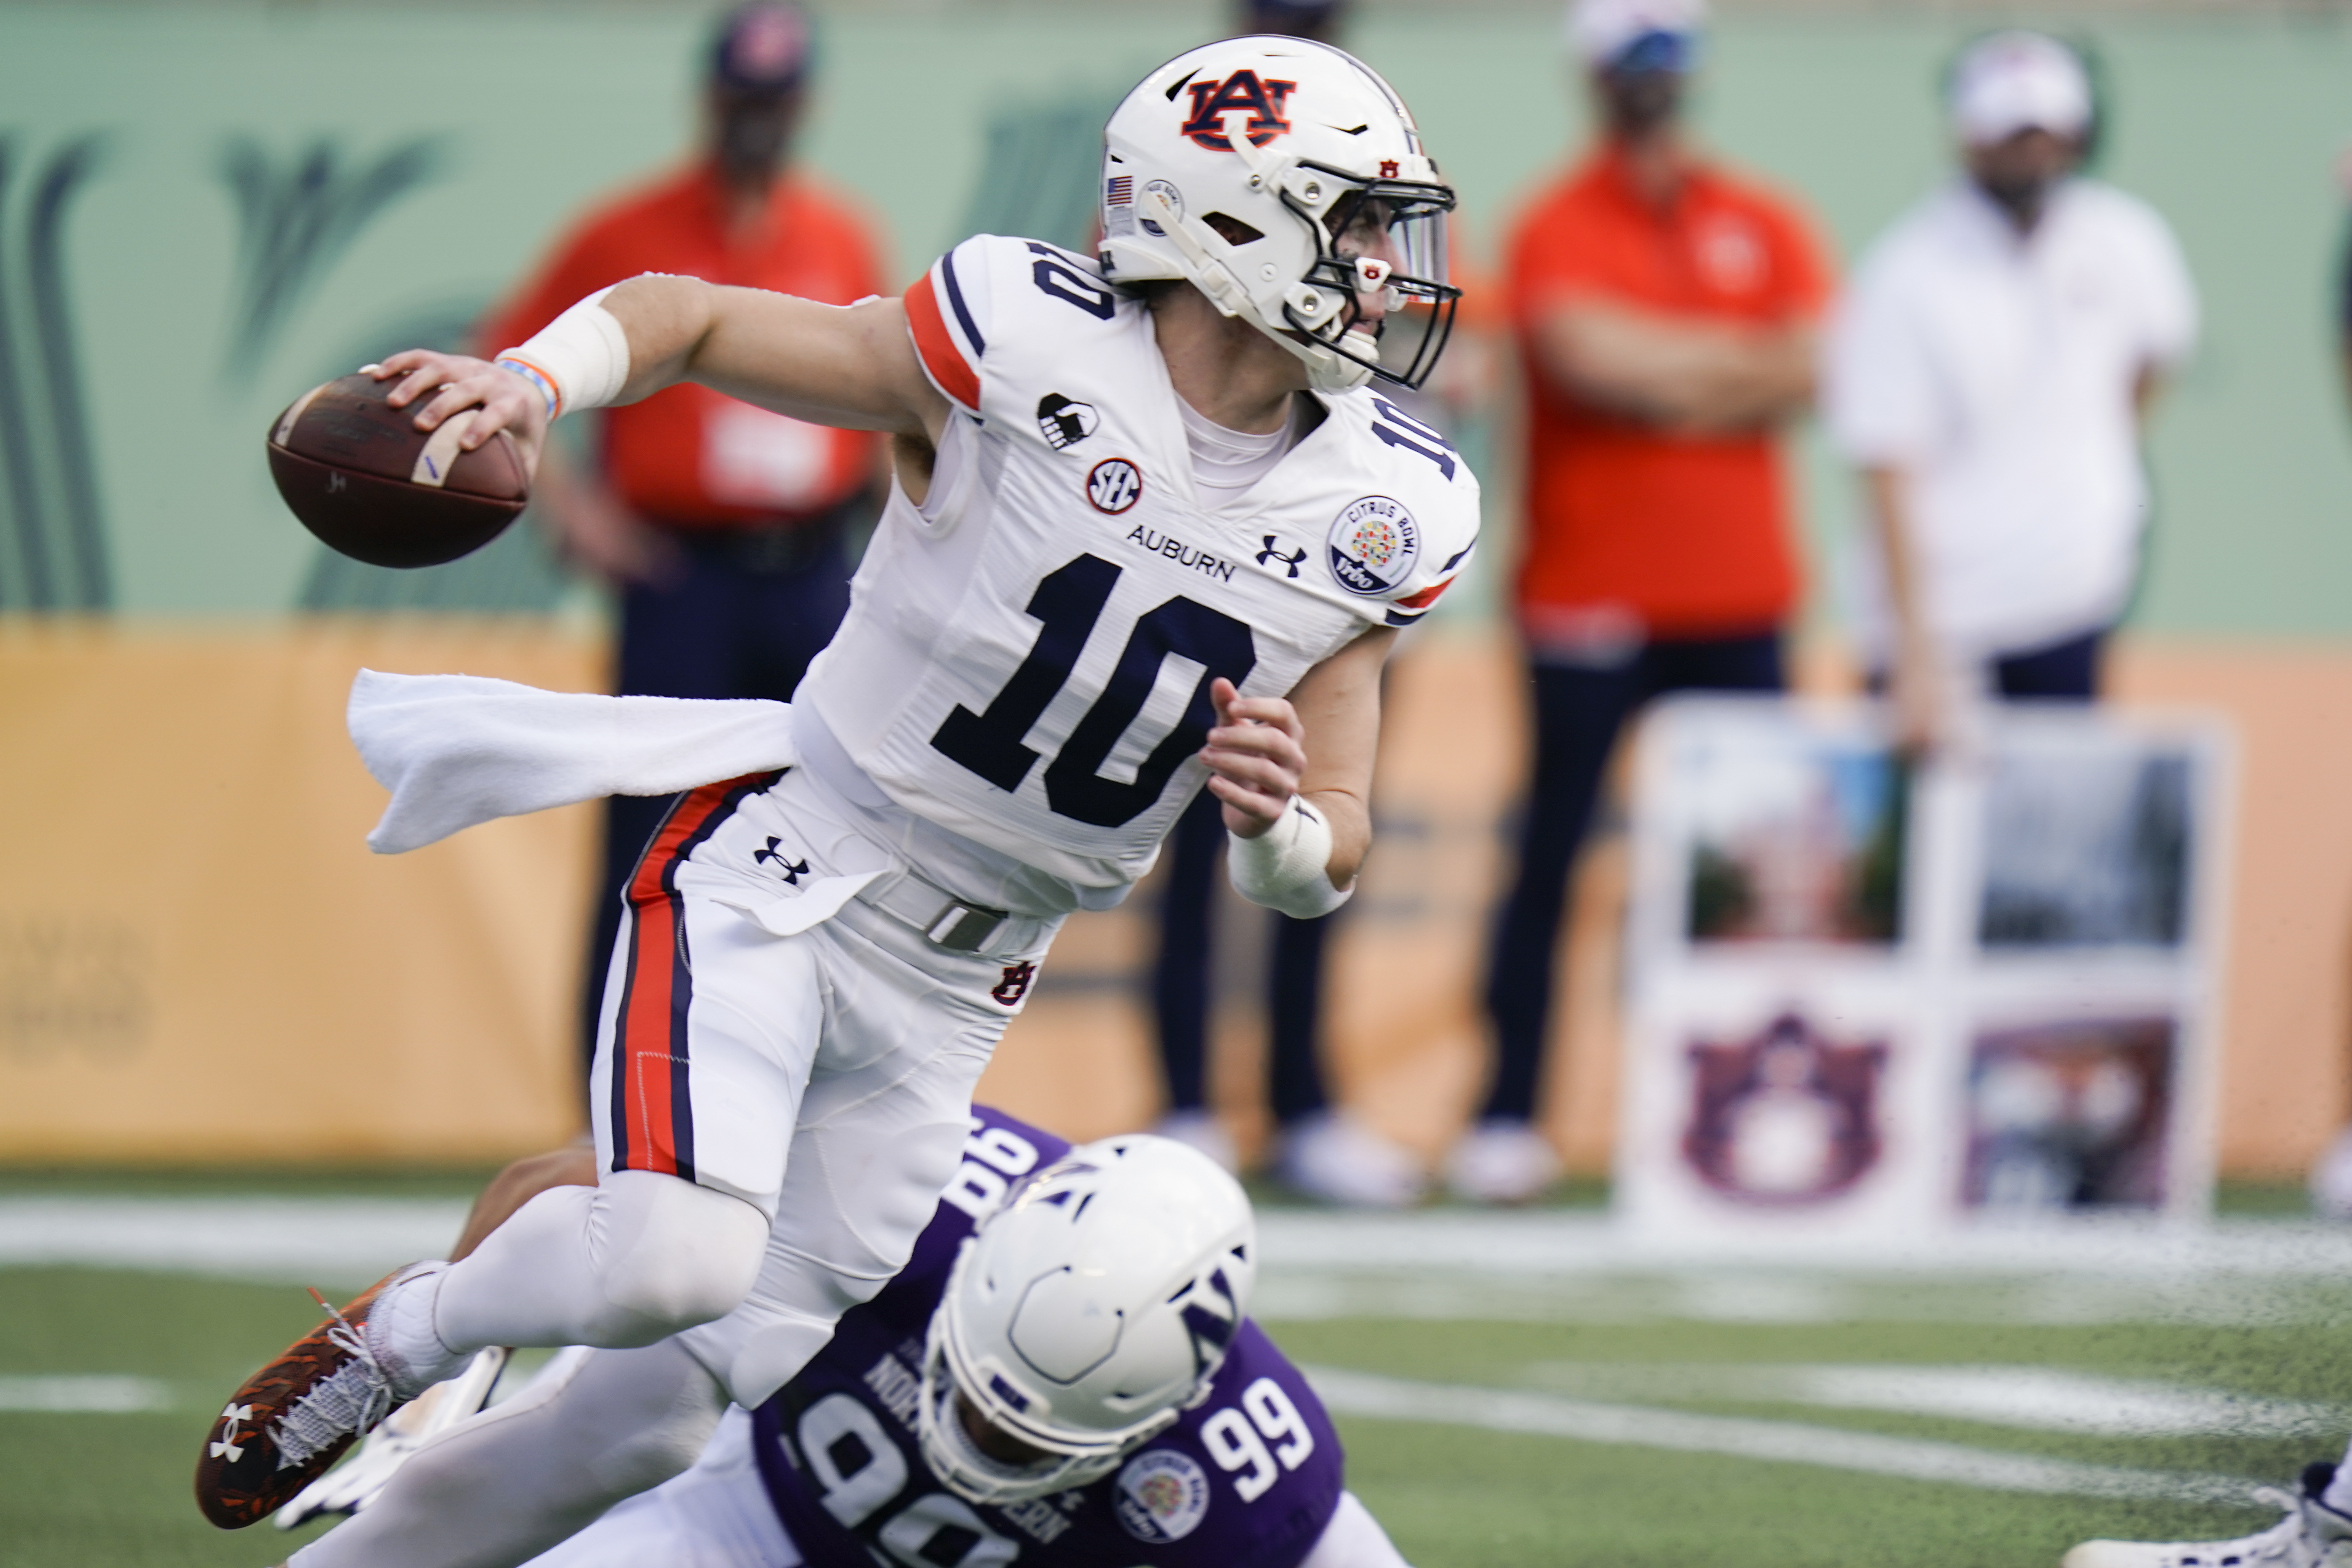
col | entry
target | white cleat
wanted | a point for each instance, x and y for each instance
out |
(1334, 1158)
(2311, 1535)
(1201, 1130)
(1501, 1162)
(355, 1483)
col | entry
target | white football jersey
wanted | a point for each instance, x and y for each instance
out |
(1027, 657)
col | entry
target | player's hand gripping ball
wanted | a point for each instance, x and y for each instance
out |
(363, 477)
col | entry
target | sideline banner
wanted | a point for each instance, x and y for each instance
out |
(1868, 998)
(199, 958)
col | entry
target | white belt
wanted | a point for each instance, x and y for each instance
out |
(946, 921)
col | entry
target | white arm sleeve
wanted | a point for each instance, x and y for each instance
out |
(1353, 1539)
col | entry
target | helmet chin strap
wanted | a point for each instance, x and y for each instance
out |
(1326, 370)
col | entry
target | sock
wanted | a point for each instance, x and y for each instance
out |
(400, 1332)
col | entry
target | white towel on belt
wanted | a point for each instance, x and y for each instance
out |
(456, 750)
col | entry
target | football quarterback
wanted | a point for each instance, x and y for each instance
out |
(1154, 525)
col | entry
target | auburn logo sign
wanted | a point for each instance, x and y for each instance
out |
(1240, 92)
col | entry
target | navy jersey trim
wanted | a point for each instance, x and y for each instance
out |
(955, 303)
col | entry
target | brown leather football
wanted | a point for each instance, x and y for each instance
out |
(363, 477)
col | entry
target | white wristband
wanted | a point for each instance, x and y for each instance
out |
(1288, 866)
(579, 360)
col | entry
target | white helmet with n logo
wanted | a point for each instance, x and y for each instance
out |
(1085, 1314)
(1282, 177)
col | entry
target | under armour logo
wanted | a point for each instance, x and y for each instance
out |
(793, 870)
(1274, 555)
(231, 1418)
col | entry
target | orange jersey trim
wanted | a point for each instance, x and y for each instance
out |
(936, 347)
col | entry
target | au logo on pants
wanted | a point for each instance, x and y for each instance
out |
(1015, 983)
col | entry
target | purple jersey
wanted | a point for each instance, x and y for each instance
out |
(1246, 1479)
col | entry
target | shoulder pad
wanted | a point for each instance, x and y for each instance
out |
(1403, 542)
(994, 300)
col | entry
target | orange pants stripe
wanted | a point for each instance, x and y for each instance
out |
(652, 1108)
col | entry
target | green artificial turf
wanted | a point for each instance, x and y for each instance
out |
(81, 1490)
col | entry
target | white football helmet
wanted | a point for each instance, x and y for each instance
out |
(1085, 1314)
(1282, 177)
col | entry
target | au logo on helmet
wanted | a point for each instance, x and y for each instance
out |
(1212, 100)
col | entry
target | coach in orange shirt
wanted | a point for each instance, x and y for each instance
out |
(724, 527)
(1664, 311)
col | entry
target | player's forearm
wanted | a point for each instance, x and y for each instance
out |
(1340, 703)
(1351, 817)
(848, 366)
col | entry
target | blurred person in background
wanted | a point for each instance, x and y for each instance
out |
(2330, 1180)
(1324, 1154)
(1989, 375)
(1665, 311)
(723, 527)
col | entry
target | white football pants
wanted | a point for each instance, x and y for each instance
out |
(775, 1118)
(814, 1088)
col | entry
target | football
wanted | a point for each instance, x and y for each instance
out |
(368, 483)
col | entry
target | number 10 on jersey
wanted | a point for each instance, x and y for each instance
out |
(1068, 604)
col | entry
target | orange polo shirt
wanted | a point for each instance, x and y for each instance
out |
(689, 457)
(1690, 535)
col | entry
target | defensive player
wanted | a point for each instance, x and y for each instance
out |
(1230, 1463)
(1054, 641)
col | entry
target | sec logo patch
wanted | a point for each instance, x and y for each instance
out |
(1162, 1496)
(1374, 545)
(1114, 484)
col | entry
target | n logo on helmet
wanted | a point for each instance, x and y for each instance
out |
(1212, 100)
(1210, 1326)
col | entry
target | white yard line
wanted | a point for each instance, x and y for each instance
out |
(83, 1395)
(2036, 1398)
(1788, 1442)
(1434, 1263)
(1553, 1243)
(273, 1241)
